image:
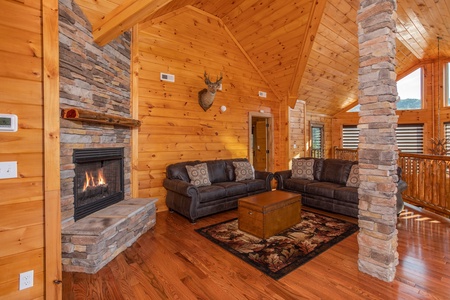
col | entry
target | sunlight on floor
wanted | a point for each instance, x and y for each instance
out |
(405, 215)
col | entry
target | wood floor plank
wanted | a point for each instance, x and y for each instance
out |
(172, 261)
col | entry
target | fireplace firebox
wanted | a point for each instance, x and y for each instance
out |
(99, 179)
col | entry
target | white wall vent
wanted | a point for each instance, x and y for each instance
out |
(167, 77)
(262, 94)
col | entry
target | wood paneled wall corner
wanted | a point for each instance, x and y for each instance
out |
(134, 77)
(52, 217)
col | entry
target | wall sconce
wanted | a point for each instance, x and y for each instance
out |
(223, 108)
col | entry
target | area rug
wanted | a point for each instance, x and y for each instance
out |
(286, 251)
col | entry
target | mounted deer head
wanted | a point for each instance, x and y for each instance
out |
(206, 96)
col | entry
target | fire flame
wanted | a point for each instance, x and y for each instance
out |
(91, 182)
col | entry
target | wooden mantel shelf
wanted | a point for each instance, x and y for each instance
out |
(95, 117)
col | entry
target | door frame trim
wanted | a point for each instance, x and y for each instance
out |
(270, 139)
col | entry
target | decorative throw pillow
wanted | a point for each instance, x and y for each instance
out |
(353, 178)
(303, 168)
(198, 174)
(243, 170)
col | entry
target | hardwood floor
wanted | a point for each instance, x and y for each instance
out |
(172, 261)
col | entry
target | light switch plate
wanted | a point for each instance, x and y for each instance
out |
(8, 169)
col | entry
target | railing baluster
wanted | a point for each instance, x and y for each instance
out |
(427, 176)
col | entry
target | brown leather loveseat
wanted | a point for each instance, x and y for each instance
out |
(328, 184)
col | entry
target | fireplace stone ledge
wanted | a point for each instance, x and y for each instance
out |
(90, 243)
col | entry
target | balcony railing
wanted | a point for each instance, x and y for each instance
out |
(428, 181)
(345, 153)
(427, 176)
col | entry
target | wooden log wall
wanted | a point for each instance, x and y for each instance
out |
(326, 121)
(300, 131)
(22, 198)
(297, 129)
(427, 116)
(174, 128)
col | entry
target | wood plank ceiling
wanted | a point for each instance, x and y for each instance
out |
(304, 49)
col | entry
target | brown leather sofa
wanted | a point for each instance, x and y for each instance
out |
(222, 194)
(329, 190)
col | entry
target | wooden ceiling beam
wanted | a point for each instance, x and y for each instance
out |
(312, 27)
(125, 16)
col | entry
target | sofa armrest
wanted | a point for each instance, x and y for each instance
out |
(281, 176)
(267, 176)
(181, 187)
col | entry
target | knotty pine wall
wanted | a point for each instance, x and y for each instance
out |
(22, 198)
(174, 126)
(427, 116)
(327, 132)
(300, 131)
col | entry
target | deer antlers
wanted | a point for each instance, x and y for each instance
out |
(206, 96)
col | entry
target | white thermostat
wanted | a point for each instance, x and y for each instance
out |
(8, 123)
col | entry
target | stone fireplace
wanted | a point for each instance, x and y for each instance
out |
(98, 181)
(99, 216)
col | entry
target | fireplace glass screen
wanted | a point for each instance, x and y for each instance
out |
(98, 179)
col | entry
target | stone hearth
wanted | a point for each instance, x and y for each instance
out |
(92, 242)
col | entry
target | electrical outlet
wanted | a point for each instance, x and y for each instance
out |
(26, 280)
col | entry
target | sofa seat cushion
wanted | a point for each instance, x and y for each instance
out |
(233, 188)
(254, 185)
(347, 194)
(296, 184)
(211, 193)
(324, 189)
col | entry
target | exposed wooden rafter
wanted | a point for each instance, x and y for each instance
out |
(313, 24)
(124, 17)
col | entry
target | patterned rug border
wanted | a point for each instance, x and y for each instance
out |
(294, 265)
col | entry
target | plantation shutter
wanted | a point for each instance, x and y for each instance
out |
(350, 136)
(317, 140)
(410, 138)
(447, 136)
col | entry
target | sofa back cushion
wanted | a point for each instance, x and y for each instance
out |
(336, 170)
(178, 170)
(217, 171)
(318, 166)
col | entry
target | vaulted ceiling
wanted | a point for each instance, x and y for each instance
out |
(305, 49)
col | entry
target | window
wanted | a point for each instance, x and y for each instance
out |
(447, 84)
(350, 136)
(409, 137)
(317, 138)
(447, 136)
(409, 90)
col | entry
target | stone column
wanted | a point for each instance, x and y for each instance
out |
(378, 153)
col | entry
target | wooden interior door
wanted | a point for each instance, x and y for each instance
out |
(260, 145)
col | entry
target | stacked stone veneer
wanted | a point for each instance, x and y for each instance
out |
(95, 240)
(96, 79)
(377, 148)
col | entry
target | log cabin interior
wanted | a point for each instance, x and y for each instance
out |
(290, 64)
